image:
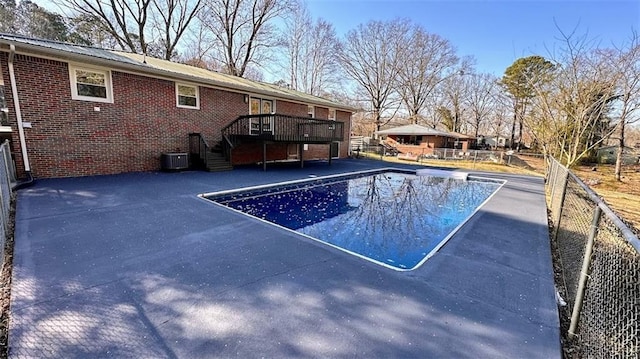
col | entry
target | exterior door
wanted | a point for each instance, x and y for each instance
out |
(262, 124)
(335, 149)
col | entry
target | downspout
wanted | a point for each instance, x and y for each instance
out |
(16, 104)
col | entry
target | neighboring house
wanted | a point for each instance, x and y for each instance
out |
(418, 140)
(88, 111)
(608, 155)
(493, 141)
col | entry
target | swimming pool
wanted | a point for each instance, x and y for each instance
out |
(392, 217)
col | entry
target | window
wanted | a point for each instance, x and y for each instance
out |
(332, 114)
(187, 96)
(260, 124)
(259, 106)
(310, 111)
(4, 110)
(90, 84)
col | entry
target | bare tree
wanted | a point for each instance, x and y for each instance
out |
(198, 47)
(93, 30)
(297, 29)
(480, 99)
(499, 114)
(627, 64)
(8, 14)
(244, 30)
(135, 24)
(454, 91)
(311, 49)
(431, 117)
(370, 55)
(125, 20)
(428, 62)
(171, 21)
(571, 106)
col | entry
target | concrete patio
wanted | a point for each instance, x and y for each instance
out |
(137, 266)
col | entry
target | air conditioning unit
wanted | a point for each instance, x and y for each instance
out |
(174, 161)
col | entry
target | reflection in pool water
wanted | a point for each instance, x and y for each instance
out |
(392, 218)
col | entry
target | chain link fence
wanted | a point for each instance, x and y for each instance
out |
(7, 181)
(422, 154)
(600, 268)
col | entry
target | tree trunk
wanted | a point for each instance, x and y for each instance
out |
(619, 157)
(520, 134)
(513, 129)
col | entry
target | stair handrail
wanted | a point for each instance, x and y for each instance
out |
(227, 146)
(202, 147)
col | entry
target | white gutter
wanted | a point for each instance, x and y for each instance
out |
(16, 104)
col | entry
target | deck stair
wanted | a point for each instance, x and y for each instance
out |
(389, 147)
(216, 161)
(206, 157)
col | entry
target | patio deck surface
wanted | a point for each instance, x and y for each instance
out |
(136, 266)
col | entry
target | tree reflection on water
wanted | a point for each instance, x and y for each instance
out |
(393, 218)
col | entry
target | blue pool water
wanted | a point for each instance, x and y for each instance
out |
(393, 218)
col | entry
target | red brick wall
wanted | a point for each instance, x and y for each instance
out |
(321, 113)
(290, 108)
(68, 138)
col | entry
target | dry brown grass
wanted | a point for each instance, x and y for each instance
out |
(520, 168)
(622, 196)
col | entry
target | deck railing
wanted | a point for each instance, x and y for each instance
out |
(8, 181)
(284, 128)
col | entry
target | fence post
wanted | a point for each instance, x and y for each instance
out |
(558, 214)
(553, 173)
(584, 276)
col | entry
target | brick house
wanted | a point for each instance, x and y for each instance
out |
(419, 140)
(87, 111)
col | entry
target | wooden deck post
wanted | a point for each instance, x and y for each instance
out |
(264, 156)
(301, 154)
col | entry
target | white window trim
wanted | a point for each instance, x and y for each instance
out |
(74, 85)
(312, 112)
(335, 114)
(197, 106)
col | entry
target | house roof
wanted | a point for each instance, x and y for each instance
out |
(151, 66)
(462, 136)
(417, 130)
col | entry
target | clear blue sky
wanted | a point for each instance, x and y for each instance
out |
(496, 33)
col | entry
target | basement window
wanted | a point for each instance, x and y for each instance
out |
(187, 96)
(89, 84)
